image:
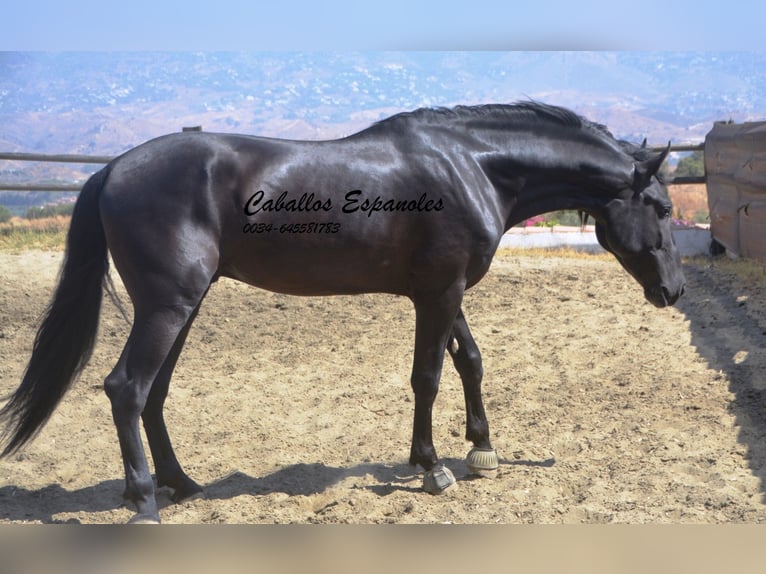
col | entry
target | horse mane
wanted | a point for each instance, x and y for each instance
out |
(527, 111)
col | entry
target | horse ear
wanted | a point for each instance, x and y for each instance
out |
(643, 144)
(644, 170)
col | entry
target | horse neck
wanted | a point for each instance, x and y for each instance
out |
(542, 194)
(536, 174)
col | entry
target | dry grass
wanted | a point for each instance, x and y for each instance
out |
(564, 252)
(689, 202)
(47, 234)
(749, 272)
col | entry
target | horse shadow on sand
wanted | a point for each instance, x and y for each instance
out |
(733, 343)
(302, 479)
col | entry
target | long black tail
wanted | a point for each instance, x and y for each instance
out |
(67, 334)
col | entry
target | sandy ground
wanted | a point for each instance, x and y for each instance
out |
(291, 410)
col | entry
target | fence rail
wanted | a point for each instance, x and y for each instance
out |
(104, 159)
(60, 158)
(50, 158)
(681, 147)
(63, 187)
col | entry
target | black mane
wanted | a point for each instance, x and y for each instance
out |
(524, 111)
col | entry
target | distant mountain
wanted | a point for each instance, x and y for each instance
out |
(105, 103)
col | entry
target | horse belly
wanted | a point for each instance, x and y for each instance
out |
(302, 266)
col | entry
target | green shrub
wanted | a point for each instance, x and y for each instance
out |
(5, 214)
(691, 166)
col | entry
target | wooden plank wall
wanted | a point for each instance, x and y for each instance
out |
(735, 168)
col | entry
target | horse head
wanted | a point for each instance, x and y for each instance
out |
(635, 226)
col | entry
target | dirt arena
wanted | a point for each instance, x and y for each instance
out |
(290, 410)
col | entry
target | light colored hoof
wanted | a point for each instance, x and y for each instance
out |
(439, 480)
(482, 462)
(138, 519)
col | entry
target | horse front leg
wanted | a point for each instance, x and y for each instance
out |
(482, 458)
(434, 317)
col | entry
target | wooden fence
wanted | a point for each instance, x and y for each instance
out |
(103, 159)
(59, 158)
(735, 174)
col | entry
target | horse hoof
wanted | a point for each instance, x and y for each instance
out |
(439, 480)
(482, 462)
(143, 519)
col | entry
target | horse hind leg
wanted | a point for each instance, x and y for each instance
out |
(482, 458)
(155, 332)
(167, 468)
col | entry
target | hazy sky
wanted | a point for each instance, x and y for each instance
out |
(394, 24)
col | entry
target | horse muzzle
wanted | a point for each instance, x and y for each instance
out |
(661, 296)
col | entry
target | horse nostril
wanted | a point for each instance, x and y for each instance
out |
(671, 298)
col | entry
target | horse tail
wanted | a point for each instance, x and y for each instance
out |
(65, 339)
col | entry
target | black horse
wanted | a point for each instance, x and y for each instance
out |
(414, 205)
